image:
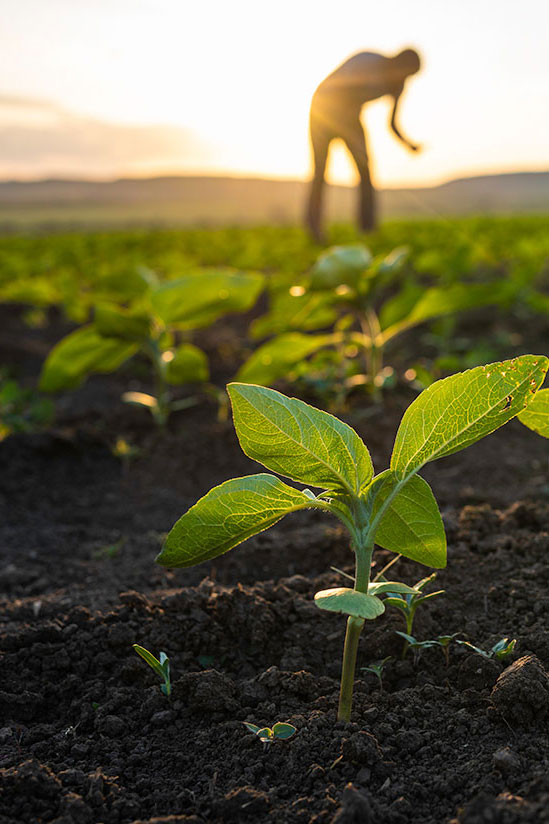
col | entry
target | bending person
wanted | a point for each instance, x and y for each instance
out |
(335, 113)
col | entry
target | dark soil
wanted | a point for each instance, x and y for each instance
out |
(87, 736)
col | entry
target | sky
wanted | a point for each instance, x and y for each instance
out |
(108, 88)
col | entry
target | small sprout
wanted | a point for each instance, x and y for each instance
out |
(160, 665)
(268, 735)
(408, 602)
(416, 646)
(501, 651)
(445, 641)
(377, 669)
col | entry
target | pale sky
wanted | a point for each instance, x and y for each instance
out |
(102, 88)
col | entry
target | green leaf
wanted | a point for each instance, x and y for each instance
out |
(227, 515)
(458, 411)
(188, 365)
(378, 588)
(252, 727)
(147, 656)
(340, 265)
(112, 321)
(199, 298)
(536, 414)
(265, 735)
(305, 312)
(80, 354)
(411, 524)
(350, 602)
(439, 301)
(298, 441)
(276, 358)
(283, 731)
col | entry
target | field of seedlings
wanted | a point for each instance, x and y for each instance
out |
(319, 595)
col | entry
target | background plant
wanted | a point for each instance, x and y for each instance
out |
(396, 508)
(368, 302)
(155, 324)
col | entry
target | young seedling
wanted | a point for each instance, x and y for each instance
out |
(160, 665)
(377, 669)
(395, 509)
(445, 641)
(416, 646)
(408, 602)
(500, 651)
(268, 735)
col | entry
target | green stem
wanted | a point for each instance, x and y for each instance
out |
(354, 628)
(161, 387)
(363, 554)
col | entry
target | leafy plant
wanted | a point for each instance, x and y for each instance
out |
(408, 602)
(22, 410)
(152, 324)
(396, 508)
(160, 665)
(268, 735)
(501, 651)
(347, 290)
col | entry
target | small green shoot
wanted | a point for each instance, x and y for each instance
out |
(416, 646)
(408, 602)
(268, 735)
(376, 668)
(395, 509)
(445, 641)
(500, 651)
(160, 665)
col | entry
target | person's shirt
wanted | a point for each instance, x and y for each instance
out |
(363, 77)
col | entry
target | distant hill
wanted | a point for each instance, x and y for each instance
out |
(238, 200)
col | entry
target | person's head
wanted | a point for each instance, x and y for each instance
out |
(407, 62)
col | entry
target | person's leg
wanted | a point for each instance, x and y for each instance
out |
(320, 142)
(355, 140)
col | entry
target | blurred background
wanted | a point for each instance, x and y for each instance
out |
(211, 100)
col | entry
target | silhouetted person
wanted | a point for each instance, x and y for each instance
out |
(335, 113)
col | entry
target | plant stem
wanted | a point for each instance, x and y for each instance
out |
(352, 635)
(363, 555)
(161, 388)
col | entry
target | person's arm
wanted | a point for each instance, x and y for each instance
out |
(412, 146)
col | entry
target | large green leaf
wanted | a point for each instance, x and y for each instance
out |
(306, 312)
(188, 365)
(460, 410)
(112, 321)
(200, 297)
(536, 414)
(350, 602)
(80, 354)
(298, 441)
(438, 301)
(411, 524)
(340, 265)
(276, 358)
(227, 515)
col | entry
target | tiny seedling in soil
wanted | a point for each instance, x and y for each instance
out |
(395, 509)
(408, 602)
(268, 735)
(377, 669)
(416, 646)
(500, 651)
(160, 665)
